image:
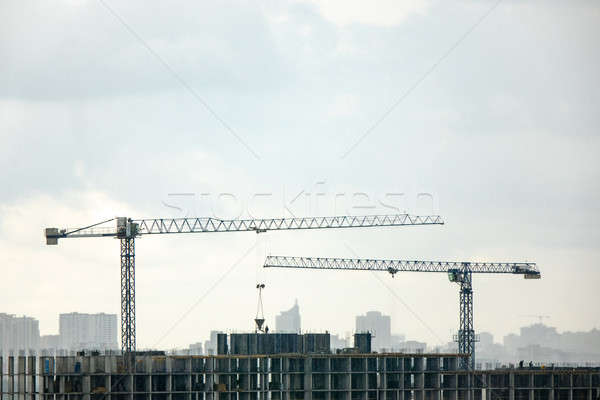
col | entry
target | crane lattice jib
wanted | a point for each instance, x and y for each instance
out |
(201, 225)
(394, 266)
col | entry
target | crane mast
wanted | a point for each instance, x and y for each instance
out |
(126, 230)
(458, 272)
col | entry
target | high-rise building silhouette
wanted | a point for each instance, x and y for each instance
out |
(49, 342)
(80, 331)
(379, 325)
(19, 333)
(289, 321)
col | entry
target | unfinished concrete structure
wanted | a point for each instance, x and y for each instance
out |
(373, 376)
(273, 343)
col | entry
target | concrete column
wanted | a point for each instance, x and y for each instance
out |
(148, 369)
(260, 379)
(469, 386)
(86, 387)
(382, 376)
(308, 378)
(404, 371)
(22, 378)
(328, 379)
(131, 381)
(31, 378)
(108, 386)
(188, 377)
(511, 386)
(531, 386)
(209, 377)
(169, 367)
(62, 384)
(348, 378)
(570, 386)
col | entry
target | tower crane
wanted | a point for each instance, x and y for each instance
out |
(458, 272)
(127, 229)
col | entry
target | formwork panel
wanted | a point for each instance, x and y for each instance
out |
(340, 364)
(372, 381)
(358, 364)
(393, 364)
(432, 364)
(581, 380)
(522, 394)
(372, 365)
(449, 395)
(448, 381)
(320, 365)
(562, 394)
(393, 381)
(581, 394)
(431, 380)
(542, 394)
(340, 381)
(562, 380)
(357, 381)
(499, 394)
(523, 380)
(431, 395)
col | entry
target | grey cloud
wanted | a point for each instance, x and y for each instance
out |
(61, 52)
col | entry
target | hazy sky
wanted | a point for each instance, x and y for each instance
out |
(283, 108)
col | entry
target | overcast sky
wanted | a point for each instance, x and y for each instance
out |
(282, 108)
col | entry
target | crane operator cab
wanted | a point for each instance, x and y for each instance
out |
(454, 275)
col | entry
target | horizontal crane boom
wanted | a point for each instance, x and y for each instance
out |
(394, 266)
(208, 224)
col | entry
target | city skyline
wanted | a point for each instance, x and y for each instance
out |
(535, 342)
(343, 333)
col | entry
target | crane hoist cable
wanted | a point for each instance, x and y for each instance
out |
(260, 315)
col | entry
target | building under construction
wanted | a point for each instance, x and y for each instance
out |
(255, 368)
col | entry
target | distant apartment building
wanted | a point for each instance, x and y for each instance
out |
(19, 333)
(289, 321)
(195, 349)
(80, 331)
(210, 346)
(380, 327)
(338, 342)
(413, 346)
(539, 342)
(397, 340)
(49, 342)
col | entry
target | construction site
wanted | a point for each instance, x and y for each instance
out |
(420, 179)
(244, 375)
(266, 365)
